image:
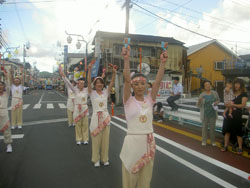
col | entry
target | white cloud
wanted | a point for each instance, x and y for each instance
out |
(215, 24)
(77, 17)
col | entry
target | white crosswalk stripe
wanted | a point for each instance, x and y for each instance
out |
(25, 106)
(61, 105)
(37, 106)
(50, 106)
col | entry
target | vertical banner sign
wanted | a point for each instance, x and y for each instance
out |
(86, 63)
(95, 68)
(65, 57)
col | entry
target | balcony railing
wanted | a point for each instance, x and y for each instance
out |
(236, 65)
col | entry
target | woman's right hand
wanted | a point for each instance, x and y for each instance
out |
(126, 52)
(61, 73)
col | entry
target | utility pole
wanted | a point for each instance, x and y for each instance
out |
(127, 4)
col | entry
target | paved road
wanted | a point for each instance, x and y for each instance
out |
(47, 156)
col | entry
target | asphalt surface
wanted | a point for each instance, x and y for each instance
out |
(47, 155)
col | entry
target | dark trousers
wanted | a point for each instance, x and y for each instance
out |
(112, 98)
(171, 101)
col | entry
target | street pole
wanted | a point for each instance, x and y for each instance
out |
(127, 17)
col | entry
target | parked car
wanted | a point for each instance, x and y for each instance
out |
(48, 87)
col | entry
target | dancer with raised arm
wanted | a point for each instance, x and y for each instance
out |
(138, 149)
(71, 103)
(16, 102)
(80, 110)
(4, 116)
(100, 120)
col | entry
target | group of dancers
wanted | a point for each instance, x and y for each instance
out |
(138, 150)
(15, 86)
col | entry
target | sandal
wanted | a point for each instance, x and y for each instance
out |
(224, 149)
(240, 151)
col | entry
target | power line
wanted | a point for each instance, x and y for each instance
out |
(203, 14)
(238, 3)
(233, 27)
(27, 2)
(171, 22)
(157, 18)
(20, 21)
(205, 36)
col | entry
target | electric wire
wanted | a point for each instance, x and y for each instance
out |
(203, 35)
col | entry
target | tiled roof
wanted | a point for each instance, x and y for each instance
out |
(137, 37)
(197, 47)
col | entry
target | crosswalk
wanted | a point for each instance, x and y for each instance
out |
(39, 106)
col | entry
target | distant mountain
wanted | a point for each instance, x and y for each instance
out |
(45, 74)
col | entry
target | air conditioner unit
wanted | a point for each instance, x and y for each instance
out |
(108, 50)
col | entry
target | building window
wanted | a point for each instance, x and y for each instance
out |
(118, 50)
(219, 65)
(146, 52)
(153, 52)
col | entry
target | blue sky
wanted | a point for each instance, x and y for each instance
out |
(43, 24)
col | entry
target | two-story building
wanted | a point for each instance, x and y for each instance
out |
(144, 48)
(207, 60)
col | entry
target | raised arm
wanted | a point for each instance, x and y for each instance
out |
(11, 76)
(7, 81)
(160, 74)
(89, 77)
(126, 73)
(22, 78)
(112, 79)
(67, 82)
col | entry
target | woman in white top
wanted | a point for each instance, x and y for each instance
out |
(17, 102)
(138, 149)
(100, 120)
(4, 116)
(80, 110)
(71, 103)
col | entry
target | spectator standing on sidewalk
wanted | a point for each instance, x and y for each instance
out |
(177, 90)
(207, 102)
(4, 116)
(233, 126)
(138, 149)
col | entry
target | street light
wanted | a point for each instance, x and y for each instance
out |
(78, 44)
(69, 39)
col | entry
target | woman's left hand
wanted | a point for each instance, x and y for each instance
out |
(164, 56)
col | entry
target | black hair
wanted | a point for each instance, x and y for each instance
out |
(81, 79)
(73, 81)
(4, 85)
(176, 78)
(138, 75)
(242, 84)
(205, 81)
(149, 83)
(1, 82)
(229, 82)
(159, 106)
